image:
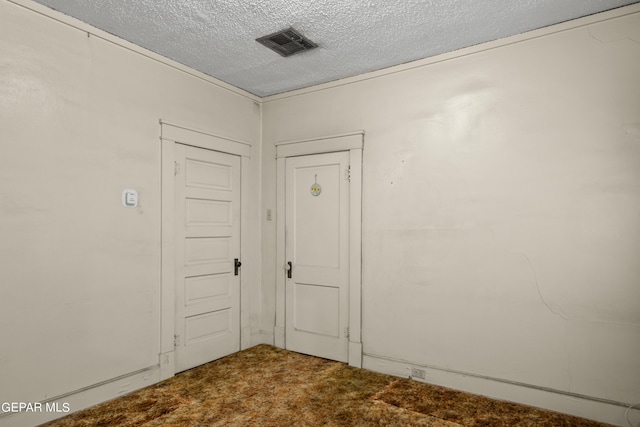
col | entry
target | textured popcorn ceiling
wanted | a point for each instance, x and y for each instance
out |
(217, 37)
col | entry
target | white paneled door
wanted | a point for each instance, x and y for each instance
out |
(317, 255)
(207, 190)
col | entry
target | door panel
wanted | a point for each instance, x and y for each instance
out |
(208, 213)
(317, 309)
(203, 288)
(208, 240)
(317, 218)
(317, 245)
(208, 175)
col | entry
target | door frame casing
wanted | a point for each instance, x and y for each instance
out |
(170, 135)
(353, 143)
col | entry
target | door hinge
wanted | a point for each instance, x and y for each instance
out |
(347, 333)
(347, 173)
(176, 168)
(176, 340)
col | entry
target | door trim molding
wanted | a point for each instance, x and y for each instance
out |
(203, 139)
(170, 135)
(327, 144)
(353, 143)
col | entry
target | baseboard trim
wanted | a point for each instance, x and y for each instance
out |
(246, 337)
(593, 408)
(279, 332)
(261, 337)
(355, 354)
(85, 397)
(167, 365)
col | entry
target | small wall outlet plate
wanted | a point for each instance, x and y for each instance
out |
(418, 373)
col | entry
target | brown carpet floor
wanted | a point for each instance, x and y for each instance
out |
(266, 386)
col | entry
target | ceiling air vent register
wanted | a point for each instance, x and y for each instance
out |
(287, 42)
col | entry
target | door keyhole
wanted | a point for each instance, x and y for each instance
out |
(289, 268)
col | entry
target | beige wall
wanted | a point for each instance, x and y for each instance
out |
(501, 208)
(79, 273)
